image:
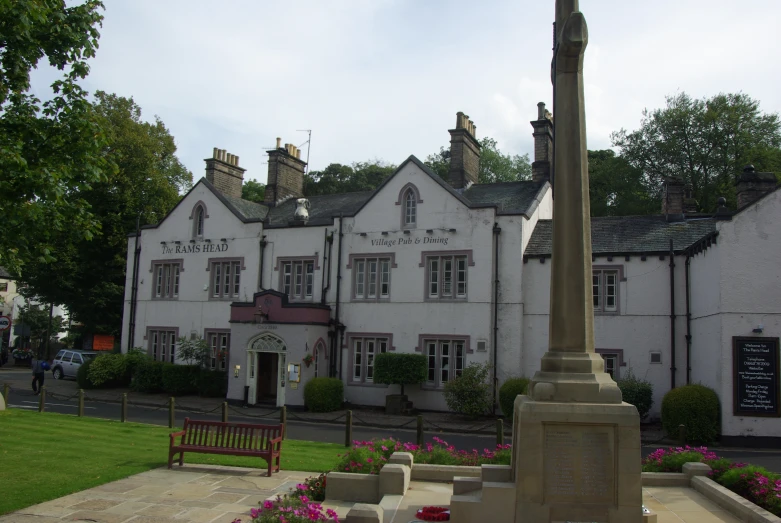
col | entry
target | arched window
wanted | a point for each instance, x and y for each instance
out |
(319, 353)
(410, 208)
(200, 214)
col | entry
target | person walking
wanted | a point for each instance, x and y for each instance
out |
(39, 373)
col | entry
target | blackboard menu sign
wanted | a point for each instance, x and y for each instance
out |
(756, 377)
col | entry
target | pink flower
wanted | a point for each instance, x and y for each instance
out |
(254, 513)
(369, 460)
(268, 505)
(301, 486)
(304, 499)
(384, 447)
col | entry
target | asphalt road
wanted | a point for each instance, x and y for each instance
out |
(325, 432)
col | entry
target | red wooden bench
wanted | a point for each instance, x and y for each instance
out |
(236, 439)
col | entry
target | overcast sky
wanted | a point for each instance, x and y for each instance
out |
(384, 78)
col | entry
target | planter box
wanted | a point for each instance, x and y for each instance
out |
(23, 362)
(397, 404)
(442, 473)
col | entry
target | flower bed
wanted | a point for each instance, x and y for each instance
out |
(368, 457)
(756, 484)
(293, 508)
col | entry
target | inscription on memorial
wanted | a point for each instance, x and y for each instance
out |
(579, 464)
(756, 377)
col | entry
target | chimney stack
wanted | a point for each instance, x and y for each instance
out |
(543, 144)
(285, 174)
(673, 199)
(223, 171)
(464, 153)
(752, 185)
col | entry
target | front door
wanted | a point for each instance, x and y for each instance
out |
(266, 376)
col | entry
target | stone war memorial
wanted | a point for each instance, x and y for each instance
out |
(576, 443)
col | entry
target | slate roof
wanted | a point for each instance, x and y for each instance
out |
(629, 234)
(323, 208)
(251, 211)
(509, 197)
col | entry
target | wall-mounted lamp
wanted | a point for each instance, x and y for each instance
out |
(407, 231)
(363, 234)
(192, 241)
(162, 243)
(384, 233)
(430, 231)
(236, 370)
(759, 329)
(451, 230)
(177, 242)
(223, 239)
(207, 240)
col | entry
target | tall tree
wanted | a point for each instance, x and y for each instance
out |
(705, 142)
(36, 318)
(617, 188)
(495, 166)
(253, 191)
(89, 276)
(338, 178)
(50, 150)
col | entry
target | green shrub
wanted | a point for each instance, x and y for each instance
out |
(180, 380)
(133, 359)
(212, 383)
(82, 373)
(637, 392)
(510, 390)
(108, 370)
(738, 480)
(148, 377)
(324, 394)
(695, 406)
(470, 393)
(400, 369)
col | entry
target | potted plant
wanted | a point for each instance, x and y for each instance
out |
(399, 369)
(308, 359)
(23, 356)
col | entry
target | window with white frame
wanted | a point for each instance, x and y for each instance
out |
(162, 345)
(611, 364)
(297, 279)
(200, 214)
(371, 278)
(363, 352)
(166, 280)
(219, 348)
(410, 209)
(605, 289)
(225, 279)
(445, 359)
(446, 277)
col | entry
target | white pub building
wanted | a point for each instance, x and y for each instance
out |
(457, 271)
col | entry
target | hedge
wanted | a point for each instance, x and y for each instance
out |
(696, 407)
(510, 390)
(400, 369)
(324, 394)
(180, 380)
(212, 383)
(637, 392)
(148, 377)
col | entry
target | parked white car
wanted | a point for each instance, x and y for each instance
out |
(67, 362)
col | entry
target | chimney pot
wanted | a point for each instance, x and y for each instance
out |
(298, 153)
(540, 110)
(236, 161)
(279, 142)
(214, 153)
(464, 153)
(223, 172)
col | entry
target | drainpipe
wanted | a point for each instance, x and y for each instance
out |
(338, 348)
(688, 323)
(326, 268)
(497, 231)
(262, 244)
(134, 288)
(327, 288)
(672, 316)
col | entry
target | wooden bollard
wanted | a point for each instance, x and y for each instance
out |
(171, 412)
(42, 399)
(682, 434)
(6, 392)
(499, 432)
(81, 403)
(283, 420)
(123, 414)
(225, 412)
(419, 438)
(348, 429)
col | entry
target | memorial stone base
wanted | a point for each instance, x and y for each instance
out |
(576, 462)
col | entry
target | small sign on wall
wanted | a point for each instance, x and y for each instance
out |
(755, 388)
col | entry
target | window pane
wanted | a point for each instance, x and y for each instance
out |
(286, 273)
(252, 356)
(461, 277)
(595, 289)
(410, 213)
(382, 345)
(167, 279)
(227, 288)
(172, 346)
(459, 359)
(299, 276)
(357, 353)
(213, 345)
(216, 283)
(445, 361)
(159, 283)
(433, 277)
(310, 279)
(385, 278)
(163, 345)
(359, 278)
(372, 288)
(610, 290)
(236, 278)
(447, 276)
(154, 345)
(610, 364)
(369, 360)
(431, 351)
(176, 281)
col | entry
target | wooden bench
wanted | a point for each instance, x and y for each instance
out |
(236, 439)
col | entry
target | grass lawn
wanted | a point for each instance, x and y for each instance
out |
(45, 456)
